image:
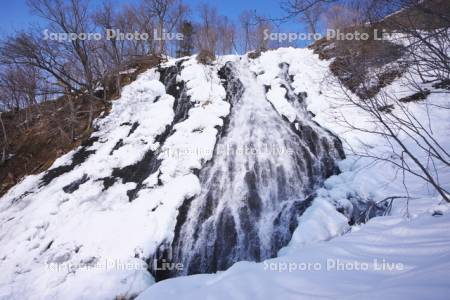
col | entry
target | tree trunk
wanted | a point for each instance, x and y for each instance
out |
(5, 142)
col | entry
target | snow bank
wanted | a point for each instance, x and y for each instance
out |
(79, 236)
(389, 258)
(403, 255)
(194, 139)
(92, 242)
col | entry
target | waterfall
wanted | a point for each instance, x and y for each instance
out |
(261, 179)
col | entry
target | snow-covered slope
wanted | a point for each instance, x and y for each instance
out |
(402, 256)
(388, 258)
(138, 193)
(85, 228)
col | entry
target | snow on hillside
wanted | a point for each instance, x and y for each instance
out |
(388, 258)
(415, 248)
(80, 235)
(80, 232)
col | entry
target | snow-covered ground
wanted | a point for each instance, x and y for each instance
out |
(92, 243)
(402, 256)
(76, 238)
(388, 258)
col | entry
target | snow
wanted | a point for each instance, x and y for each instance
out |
(411, 239)
(49, 227)
(48, 235)
(388, 258)
(92, 244)
(128, 71)
(321, 222)
(194, 139)
(276, 96)
(284, 278)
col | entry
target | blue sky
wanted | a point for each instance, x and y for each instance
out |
(15, 15)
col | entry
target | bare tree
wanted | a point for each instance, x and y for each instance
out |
(20, 89)
(341, 17)
(107, 19)
(295, 8)
(226, 35)
(414, 148)
(246, 22)
(263, 26)
(207, 33)
(71, 17)
(395, 122)
(312, 17)
(412, 145)
(168, 14)
(4, 142)
(134, 19)
(426, 24)
(253, 31)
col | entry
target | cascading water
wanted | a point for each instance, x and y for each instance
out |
(261, 179)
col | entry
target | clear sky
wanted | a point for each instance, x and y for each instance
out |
(15, 15)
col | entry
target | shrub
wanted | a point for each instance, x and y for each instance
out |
(205, 57)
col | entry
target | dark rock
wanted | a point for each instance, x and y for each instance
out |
(78, 158)
(419, 96)
(69, 189)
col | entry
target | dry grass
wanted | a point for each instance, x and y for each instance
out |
(206, 57)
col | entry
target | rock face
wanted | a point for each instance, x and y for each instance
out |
(262, 177)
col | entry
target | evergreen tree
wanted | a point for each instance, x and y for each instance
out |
(186, 45)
